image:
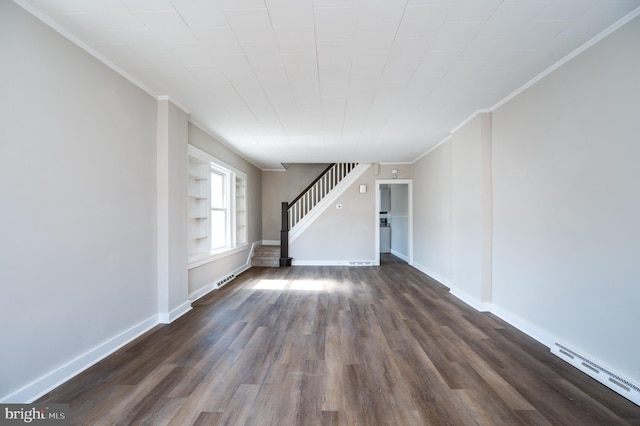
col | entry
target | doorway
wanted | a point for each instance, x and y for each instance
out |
(397, 221)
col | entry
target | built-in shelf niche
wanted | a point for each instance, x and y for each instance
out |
(241, 210)
(200, 168)
(198, 208)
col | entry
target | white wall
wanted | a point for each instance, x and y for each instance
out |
(452, 223)
(432, 214)
(556, 251)
(567, 203)
(171, 189)
(341, 236)
(78, 204)
(279, 186)
(203, 276)
(471, 212)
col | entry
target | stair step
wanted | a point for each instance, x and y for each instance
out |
(266, 256)
(266, 263)
(267, 249)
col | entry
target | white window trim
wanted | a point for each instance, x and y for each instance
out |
(233, 173)
(194, 261)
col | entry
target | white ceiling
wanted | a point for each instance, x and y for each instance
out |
(294, 81)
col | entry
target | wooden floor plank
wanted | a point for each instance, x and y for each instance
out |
(326, 345)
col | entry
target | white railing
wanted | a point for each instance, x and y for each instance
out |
(317, 191)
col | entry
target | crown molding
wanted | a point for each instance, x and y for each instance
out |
(608, 31)
(433, 148)
(584, 47)
(82, 45)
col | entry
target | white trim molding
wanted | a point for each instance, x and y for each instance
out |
(598, 371)
(612, 28)
(295, 262)
(475, 303)
(199, 261)
(402, 256)
(55, 378)
(213, 285)
(523, 325)
(433, 275)
(433, 148)
(608, 31)
(376, 217)
(82, 45)
(177, 312)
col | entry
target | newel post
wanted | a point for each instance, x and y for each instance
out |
(285, 260)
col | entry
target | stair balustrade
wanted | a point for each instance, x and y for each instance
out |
(295, 211)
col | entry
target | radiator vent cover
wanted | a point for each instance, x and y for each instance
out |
(602, 374)
(225, 280)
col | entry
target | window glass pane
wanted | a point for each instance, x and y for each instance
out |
(218, 229)
(217, 191)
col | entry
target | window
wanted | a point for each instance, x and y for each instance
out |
(219, 203)
(217, 208)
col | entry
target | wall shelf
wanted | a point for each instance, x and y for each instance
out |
(198, 190)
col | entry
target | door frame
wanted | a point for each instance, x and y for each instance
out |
(408, 182)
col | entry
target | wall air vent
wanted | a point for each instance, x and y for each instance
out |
(602, 374)
(225, 280)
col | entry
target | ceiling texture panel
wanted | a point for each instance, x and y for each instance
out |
(286, 81)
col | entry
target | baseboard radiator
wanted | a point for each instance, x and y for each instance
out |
(602, 374)
(225, 280)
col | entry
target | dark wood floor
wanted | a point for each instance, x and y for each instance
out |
(337, 345)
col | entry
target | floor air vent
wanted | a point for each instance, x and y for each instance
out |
(605, 376)
(225, 280)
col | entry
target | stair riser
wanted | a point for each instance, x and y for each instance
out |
(266, 256)
(270, 254)
(267, 264)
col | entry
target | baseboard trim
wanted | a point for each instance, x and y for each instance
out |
(55, 378)
(523, 325)
(270, 242)
(203, 291)
(599, 372)
(459, 294)
(168, 318)
(213, 285)
(433, 275)
(514, 320)
(582, 362)
(400, 255)
(241, 269)
(296, 262)
(476, 304)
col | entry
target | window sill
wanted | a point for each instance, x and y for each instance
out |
(204, 258)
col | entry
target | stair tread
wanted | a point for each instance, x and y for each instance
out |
(267, 264)
(266, 256)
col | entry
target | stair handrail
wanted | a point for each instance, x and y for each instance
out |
(343, 169)
(304, 191)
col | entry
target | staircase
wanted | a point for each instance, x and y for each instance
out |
(266, 256)
(297, 215)
(317, 191)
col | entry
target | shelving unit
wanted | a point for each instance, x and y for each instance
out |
(241, 210)
(198, 191)
(207, 176)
